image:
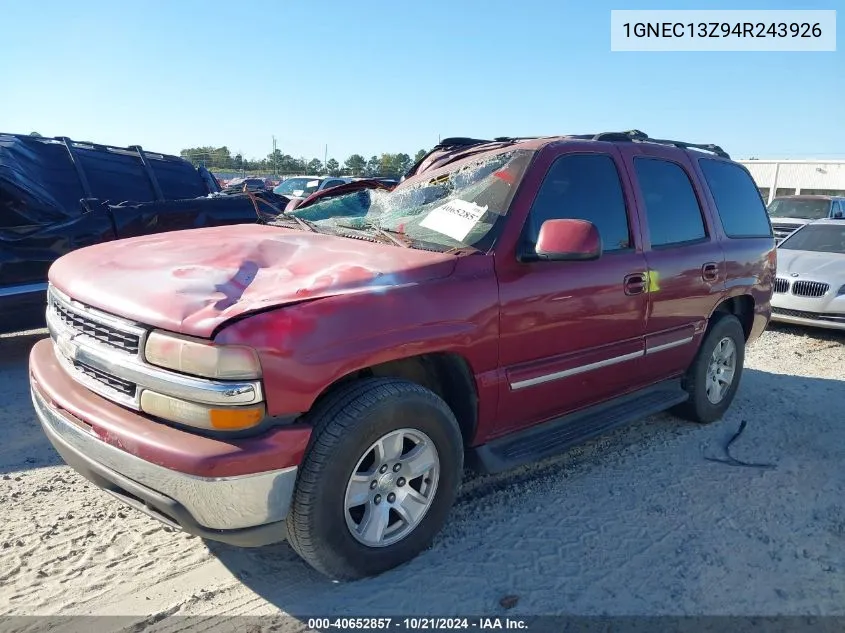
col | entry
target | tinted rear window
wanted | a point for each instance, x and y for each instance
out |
(737, 199)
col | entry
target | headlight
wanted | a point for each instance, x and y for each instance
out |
(201, 358)
(201, 415)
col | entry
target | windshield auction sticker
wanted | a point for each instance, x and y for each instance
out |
(454, 219)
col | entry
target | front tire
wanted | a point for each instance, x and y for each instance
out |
(378, 480)
(713, 377)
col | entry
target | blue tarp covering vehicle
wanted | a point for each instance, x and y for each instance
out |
(57, 195)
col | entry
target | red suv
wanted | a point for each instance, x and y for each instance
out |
(324, 380)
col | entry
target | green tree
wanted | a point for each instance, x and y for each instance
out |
(276, 160)
(373, 166)
(34, 134)
(401, 164)
(285, 164)
(211, 157)
(315, 166)
(419, 155)
(221, 158)
(387, 165)
(356, 164)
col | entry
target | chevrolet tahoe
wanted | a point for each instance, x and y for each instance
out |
(325, 379)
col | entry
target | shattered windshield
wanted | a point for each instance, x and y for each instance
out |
(297, 187)
(452, 209)
(807, 209)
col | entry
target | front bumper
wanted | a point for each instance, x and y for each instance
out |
(246, 509)
(832, 321)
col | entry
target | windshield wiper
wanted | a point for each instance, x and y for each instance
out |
(282, 215)
(388, 234)
(391, 235)
(308, 225)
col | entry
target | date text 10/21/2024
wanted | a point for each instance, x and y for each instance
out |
(415, 624)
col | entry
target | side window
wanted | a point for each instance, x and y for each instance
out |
(672, 211)
(739, 207)
(840, 212)
(582, 187)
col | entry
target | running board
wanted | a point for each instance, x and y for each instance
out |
(557, 436)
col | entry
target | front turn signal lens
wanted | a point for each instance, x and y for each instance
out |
(202, 358)
(201, 416)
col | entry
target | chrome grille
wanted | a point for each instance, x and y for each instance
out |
(83, 324)
(816, 316)
(809, 288)
(781, 285)
(112, 382)
(783, 230)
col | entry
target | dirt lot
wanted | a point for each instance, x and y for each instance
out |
(638, 522)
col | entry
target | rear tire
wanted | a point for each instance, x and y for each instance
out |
(720, 358)
(370, 438)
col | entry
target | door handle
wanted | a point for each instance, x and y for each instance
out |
(635, 283)
(710, 271)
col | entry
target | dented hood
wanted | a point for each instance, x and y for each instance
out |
(193, 281)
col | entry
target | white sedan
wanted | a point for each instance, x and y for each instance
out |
(810, 283)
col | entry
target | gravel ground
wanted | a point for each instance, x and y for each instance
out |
(636, 523)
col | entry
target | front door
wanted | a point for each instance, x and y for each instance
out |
(572, 333)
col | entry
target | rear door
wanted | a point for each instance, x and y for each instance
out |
(571, 333)
(747, 237)
(686, 264)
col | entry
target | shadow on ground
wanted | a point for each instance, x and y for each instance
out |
(821, 334)
(636, 522)
(23, 446)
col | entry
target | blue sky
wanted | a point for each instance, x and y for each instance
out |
(372, 77)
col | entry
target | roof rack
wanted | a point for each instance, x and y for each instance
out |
(462, 143)
(637, 136)
(462, 140)
(634, 136)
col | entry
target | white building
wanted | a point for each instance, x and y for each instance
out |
(795, 177)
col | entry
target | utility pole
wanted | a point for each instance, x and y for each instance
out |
(275, 172)
(326, 159)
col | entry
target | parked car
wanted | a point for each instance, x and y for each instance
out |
(391, 182)
(242, 185)
(300, 187)
(57, 195)
(810, 286)
(788, 213)
(325, 378)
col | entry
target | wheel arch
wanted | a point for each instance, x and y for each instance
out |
(447, 374)
(740, 306)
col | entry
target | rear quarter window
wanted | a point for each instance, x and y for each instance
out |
(737, 199)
